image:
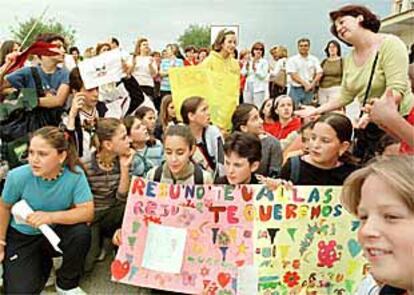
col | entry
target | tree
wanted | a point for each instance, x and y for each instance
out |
(196, 35)
(49, 26)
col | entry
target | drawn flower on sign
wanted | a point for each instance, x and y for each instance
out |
(204, 271)
(291, 278)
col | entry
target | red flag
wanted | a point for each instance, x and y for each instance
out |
(37, 48)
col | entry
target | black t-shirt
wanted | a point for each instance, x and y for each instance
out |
(311, 175)
(388, 290)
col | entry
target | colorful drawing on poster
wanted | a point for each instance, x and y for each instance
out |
(287, 242)
(212, 224)
(305, 242)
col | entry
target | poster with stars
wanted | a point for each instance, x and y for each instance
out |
(212, 224)
(225, 240)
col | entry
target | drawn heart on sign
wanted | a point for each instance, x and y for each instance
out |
(223, 279)
(119, 269)
(354, 247)
(239, 263)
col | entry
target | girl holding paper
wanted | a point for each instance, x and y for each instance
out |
(54, 185)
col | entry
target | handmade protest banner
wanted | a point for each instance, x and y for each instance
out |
(221, 91)
(305, 242)
(245, 239)
(102, 69)
(185, 238)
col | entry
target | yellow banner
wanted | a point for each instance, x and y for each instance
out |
(221, 90)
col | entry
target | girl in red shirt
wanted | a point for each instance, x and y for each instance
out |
(279, 119)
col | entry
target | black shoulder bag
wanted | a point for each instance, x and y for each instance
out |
(366, 140)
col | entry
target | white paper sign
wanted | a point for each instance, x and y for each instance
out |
(247, 280)
(21, 211)
(102, 69)
(164, 248)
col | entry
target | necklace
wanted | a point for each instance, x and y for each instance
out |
(53, 178)
(107, 166)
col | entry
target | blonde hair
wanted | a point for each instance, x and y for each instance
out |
(396, 171)
(282, 51)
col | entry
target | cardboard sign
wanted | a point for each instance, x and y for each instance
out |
(305, 242)
(237, 240)
(102, 69)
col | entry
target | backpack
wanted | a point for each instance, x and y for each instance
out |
(20, 115)
(198, 174)
(295, 169)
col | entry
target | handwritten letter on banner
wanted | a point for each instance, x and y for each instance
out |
(237, 240)
(221, 91)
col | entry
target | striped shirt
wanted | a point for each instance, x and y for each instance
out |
(104, 184)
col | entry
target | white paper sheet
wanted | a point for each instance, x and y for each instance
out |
(247, 280)
(21, 210)
(102, 69)
(164, 248)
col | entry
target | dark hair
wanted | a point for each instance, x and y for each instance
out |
(190, 105)
(182, 131)
(155, 53)
(241, 115)
(100, 46)
(128, 122)
(75, 80)
(206, 50)
(137, 50)
(385, 141)
(220, 38)
(371, 21)
(142, 111)
(257, 45)
(189, 48)
(261, 110)
(74, 48)
(304, 40)
(115, 40)
(337, 45)
(340, 123)
(50, 37)
(105, 130)
(246, 145)
(276, 101)
(342, 126)
(5, 49)
(176, 50)
(57, 138)
(140, 114)
(164, 117)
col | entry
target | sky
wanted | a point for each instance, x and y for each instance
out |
(273, 22)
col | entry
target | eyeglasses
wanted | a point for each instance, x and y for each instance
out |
(258, 48)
